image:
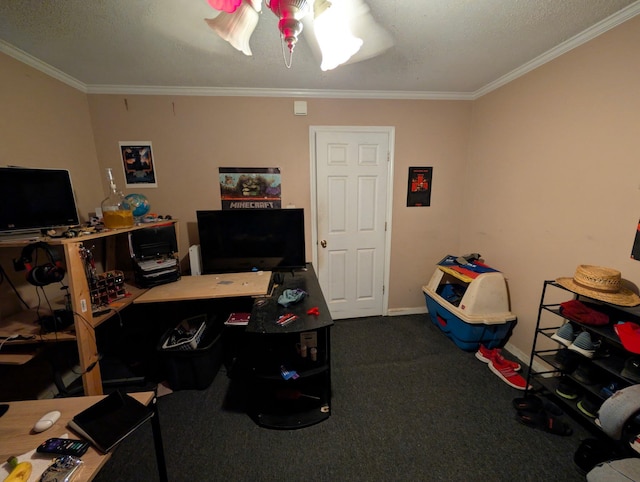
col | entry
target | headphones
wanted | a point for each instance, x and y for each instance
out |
(51, 272)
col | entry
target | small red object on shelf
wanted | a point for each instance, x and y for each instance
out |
(313, 311)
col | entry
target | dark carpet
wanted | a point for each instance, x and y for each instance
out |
(407, 405)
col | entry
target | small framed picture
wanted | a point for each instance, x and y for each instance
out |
(419, 188)
(138, 164)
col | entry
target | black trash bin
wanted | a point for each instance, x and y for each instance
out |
(195, 363)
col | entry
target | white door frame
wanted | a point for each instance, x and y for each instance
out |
(391, 132)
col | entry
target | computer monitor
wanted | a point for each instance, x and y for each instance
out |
(33, 199)
(251, 239)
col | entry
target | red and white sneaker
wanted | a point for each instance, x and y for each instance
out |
(508, 375)
(486, 355)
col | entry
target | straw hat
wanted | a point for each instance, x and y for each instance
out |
(604, 284)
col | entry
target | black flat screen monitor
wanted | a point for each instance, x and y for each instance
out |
(33, 199)
(251, 239)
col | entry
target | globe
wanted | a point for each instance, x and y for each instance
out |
(139, 204)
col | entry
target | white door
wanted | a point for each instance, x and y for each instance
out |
(352, 168)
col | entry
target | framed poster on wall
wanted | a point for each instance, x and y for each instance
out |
(419, 188)
(250, 187)
(635, 250)
(138, 164)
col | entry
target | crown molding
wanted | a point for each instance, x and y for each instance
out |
(43, 67)
(249, 92)
(592, 32)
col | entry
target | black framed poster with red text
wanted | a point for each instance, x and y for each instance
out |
(419, 188)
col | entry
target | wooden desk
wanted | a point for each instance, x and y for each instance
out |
(207, 286)
(83, 329)
(17, 437)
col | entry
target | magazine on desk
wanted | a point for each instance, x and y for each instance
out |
(238, 319)
(106, 423)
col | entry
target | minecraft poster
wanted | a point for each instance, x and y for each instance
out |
(419, 189)
(250, 188)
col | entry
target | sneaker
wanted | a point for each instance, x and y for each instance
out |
(610, 389)
(564, 334)
(567, 360)
(585, 374)
(508, 375)
(486, 355)
(532, 403)
(584, 345)
(568, 391)
(635, 443)
(589, 407)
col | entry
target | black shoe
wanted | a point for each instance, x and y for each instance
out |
(591, 452)
(567, 360)
(567, 390)
(585, 374)
(589, 406)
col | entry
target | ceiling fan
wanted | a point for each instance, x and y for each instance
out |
(339, 27)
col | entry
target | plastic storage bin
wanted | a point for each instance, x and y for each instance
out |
(469, 303)
(187, 335)
(193, 368)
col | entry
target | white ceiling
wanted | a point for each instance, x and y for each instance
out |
(441, 48)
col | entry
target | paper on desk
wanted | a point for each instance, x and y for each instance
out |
(39, 463)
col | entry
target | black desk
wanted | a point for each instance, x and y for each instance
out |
(297, 402)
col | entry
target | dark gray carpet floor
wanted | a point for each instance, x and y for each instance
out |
(407, 405)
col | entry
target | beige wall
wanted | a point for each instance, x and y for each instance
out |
(553, 178)
(44, 123)
(193, 136)
(538, 176)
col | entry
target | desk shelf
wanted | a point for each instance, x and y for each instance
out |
(276, 402)
(83, 329)
(18, 354)
(133, 292)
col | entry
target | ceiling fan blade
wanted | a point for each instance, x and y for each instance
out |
(236, 28)
(333, 33)
(376, 39)
(361, 24)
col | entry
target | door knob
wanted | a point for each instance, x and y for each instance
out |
(323, 243)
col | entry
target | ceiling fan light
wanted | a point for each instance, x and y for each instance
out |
(334, 36)
(236, 28)
(320, 6)
(290, 28)
(289, 8)
(289, 12)
(228, 6)
(256, 4)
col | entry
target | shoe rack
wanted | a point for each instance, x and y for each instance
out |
(580, 382)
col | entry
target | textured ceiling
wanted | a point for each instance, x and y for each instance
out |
(440, 47)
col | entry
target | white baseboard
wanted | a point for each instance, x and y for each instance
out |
(406, 311)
